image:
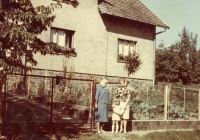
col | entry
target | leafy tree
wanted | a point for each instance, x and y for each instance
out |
(178, 62)
(132, 62)
(167, 64)
(20, 23)
(196, 68)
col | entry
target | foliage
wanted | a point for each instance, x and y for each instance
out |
(72, 92)
(132, 62)
(166, 65)
(147, 103)
(176, 103)
(180, 61)
(41, 88)
(120, 57)
(172, 135)
(20, 23)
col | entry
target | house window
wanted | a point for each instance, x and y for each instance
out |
(124, 46)
(62, 37)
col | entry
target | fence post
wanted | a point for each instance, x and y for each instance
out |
(199, 106)
(184, 100)
(92, 104)
(165, 102)
(147, 94)
(45, 83)
(28, 83)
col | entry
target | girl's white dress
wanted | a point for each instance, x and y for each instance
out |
(126, 112)
(115, 116)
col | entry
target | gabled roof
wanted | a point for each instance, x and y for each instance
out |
(130, 9)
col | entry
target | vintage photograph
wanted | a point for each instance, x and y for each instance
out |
(99, 69)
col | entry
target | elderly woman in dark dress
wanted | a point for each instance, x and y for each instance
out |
(101, 105)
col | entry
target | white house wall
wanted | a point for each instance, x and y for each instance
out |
(92, 40)
(143, 34)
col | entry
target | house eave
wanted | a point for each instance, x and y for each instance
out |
(108, 13)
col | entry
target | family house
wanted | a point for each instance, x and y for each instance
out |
(100, 31)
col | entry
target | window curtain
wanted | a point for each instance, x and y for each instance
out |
(67, 42)
(54, 35)
(132, 48)
(61, 38)
(126, 47)
(120, 47)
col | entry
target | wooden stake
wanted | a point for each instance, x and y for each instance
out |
(165, 102)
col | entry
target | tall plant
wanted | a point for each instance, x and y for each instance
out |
(132, 62)
(20, 25)
(180, 61)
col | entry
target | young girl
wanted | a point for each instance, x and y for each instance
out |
(125, 115)
(117, 112)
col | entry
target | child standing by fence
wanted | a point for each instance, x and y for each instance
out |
(117, 112)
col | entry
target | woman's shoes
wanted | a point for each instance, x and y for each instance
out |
(103, 131)
(99, 132)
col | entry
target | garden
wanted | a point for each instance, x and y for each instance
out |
(71, 97)
(147, 102)
(52, 104)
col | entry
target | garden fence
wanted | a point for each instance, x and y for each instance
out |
(160, 102)
(51, 102)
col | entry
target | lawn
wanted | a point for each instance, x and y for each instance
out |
(165, 135)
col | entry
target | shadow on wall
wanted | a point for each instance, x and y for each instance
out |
(128, 27)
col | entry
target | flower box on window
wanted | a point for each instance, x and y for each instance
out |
(63, 38)
(120, 58)
(72, 52)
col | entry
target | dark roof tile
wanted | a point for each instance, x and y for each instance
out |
(130, 9)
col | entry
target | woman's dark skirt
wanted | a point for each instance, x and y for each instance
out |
(101, 115)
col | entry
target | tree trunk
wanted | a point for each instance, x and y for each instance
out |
(1, 100)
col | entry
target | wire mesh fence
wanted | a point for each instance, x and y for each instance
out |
(183, 103)
(43, 100)
(160, 102)
(32, 98)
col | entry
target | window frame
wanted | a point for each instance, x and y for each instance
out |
(121, 60)
(66, 31)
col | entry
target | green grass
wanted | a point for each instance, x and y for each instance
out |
(165, 135)
(169, 135)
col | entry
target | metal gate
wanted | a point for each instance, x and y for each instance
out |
(47, 104)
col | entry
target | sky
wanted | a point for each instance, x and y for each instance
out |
(176, 14)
